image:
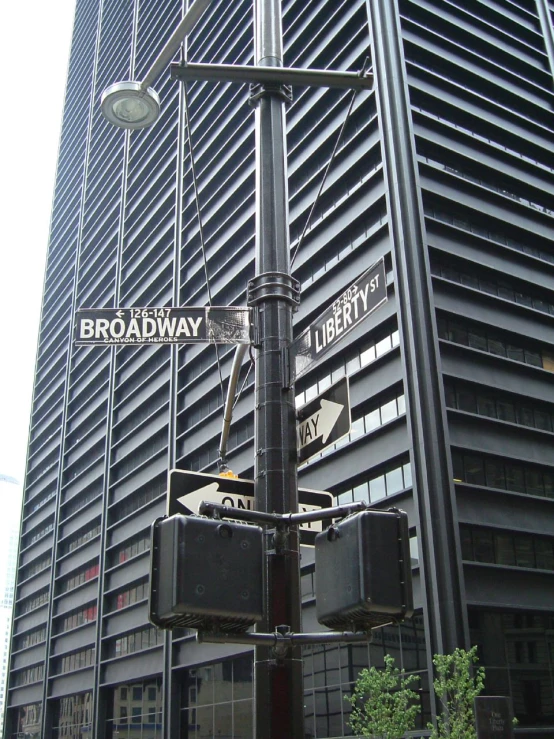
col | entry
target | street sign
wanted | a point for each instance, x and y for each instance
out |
(494, 717)
(323, 421)
(344, 314)
(191, 325)
(188, 489)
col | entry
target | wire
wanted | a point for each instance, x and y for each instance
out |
(244, 382)
(339, 137)
(199, 216)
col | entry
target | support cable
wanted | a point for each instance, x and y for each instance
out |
(244, 382)
(199, 216)
(327, 169)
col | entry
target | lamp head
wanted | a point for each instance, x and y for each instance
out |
(127, 105)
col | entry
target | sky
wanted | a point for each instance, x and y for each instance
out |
(35, 38)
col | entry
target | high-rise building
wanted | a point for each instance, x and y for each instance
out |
(10, 494)
(445, 170)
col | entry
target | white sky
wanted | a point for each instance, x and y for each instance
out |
(35, 37)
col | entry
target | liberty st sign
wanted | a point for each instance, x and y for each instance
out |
(366, 294)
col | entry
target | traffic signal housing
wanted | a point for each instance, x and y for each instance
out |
(363, 575)
(205, 574)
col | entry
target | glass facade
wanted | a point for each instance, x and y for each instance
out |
(135, 711)
(216, 700)
(517, 650)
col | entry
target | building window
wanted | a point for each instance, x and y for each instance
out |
(505, 548)
(496, 472)
(493, 286)
(131, 548)
(78, 617)
(76, 660)
(136, 708)
(80, 577)
(136, 641)
(485, 339)
(28, 720)
(73, 716)
(127, 597)
(217, 700)
(389, 480)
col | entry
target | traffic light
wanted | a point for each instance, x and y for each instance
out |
(205, 574)
(363, 573)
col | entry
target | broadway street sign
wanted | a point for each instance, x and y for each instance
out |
(188, 489)
(345, 313)
(323, 421)
(162, 326)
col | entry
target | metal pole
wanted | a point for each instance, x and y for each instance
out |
(278, 679)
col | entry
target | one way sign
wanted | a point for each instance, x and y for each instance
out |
(188, 489)
(323, 421)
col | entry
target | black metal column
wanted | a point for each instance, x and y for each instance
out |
(442, 578)
(278, 680)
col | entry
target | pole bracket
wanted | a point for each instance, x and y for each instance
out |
(282, 638)
(259, 90)
(273, 286)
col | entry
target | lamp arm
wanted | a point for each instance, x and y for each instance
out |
(189, 20)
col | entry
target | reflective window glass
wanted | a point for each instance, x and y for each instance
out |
(486, 406)
(467, 543)
(525, 416)
(467, 401)
(544, 551)
(504, 546)
(383, 346)
(515, 480)
(533, 481)
(477, 340)
(367, 356)
(497, 347)
(377, 488)
(389, 411)
(458, 334)
(401, 404)
(373, 420)
(474, 470)
(525, 554)
(495, 474)
(394, 481)
(407, 470)
(515, 352)
(505, 411)
(483, 548)
(543, 420)
(533, 358)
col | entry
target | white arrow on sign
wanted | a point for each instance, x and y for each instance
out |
(210, 493)
(319, 424)
(213, 494)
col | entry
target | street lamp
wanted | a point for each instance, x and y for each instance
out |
(135, 104)
(130, 105)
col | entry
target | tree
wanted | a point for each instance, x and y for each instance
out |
(457, 682)
(383, 703)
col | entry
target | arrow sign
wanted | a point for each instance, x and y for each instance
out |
(319, 424)
(188, 489)
(323, 421)
(210, 492)
(190, 325)
(344, 314)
